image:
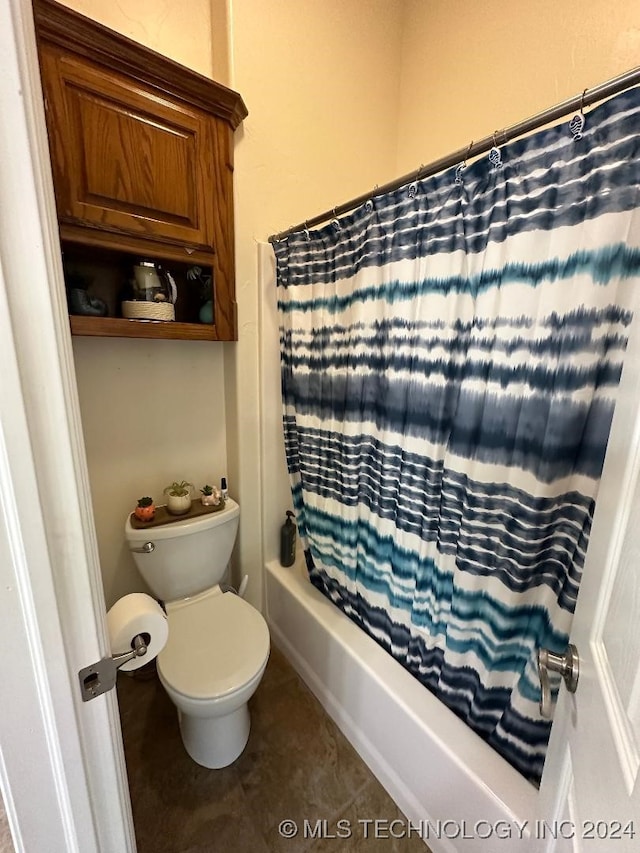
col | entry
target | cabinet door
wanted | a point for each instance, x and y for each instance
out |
(126, 158)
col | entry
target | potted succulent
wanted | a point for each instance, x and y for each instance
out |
(178, 497)
(146, 509)
(211, 496)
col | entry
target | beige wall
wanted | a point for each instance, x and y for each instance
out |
(152, 411)
(342, 95)
(320, 80)
(318, 131)
(466, 69)
(181, 31)
(471, 68)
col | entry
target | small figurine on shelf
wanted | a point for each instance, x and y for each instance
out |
(146, 510)
(79, 300)
(211, 496)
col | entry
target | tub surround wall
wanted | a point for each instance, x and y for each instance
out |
(272, 455)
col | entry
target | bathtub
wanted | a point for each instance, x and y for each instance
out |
(458, 793)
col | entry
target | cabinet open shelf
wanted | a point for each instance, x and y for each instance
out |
(106, 272)
(116, 327)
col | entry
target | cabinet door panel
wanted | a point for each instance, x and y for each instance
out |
(125, 158)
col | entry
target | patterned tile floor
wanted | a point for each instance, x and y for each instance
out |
(297, 766)
(6, 844)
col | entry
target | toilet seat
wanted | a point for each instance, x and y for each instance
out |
(217, 644)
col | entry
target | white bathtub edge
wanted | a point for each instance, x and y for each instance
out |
(388, 778)
(356, 667)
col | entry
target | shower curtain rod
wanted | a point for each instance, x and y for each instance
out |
(500, 137)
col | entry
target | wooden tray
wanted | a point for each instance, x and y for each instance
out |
(162, 516)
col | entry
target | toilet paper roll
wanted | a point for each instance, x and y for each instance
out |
(133, 614)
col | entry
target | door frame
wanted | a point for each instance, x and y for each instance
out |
(62, 769)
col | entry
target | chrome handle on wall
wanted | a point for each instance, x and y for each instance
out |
(147, 548)
(566, 665)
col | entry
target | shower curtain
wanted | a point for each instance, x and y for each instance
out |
(450, 353)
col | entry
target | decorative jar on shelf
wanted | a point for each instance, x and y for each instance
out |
(153, 293)
(206, 312)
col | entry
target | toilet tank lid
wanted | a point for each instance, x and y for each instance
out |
(184, 526)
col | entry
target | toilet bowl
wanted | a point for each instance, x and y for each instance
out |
(218, 644)
(213, 661)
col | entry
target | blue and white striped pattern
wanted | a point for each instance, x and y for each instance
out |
(450, 354)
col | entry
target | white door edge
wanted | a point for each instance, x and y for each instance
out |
(62, 767)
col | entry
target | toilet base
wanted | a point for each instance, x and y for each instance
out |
(215, 742)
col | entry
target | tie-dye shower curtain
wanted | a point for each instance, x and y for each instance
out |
(450, 355)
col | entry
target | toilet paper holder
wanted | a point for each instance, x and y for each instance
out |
(100, 677)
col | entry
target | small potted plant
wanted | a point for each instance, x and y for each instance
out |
(146, 509)
(178, 497)
(211, 496)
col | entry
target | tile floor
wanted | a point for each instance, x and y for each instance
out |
(6, 844)
(297, 766)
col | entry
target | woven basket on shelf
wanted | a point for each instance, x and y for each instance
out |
(148, 311)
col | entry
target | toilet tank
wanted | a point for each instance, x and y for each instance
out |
(188, 556)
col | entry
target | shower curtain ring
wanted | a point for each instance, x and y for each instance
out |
(462, 166)
(466, 156)
(306, 230)
(495, 157)
(577, 123)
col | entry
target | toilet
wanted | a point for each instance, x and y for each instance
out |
(218, 644)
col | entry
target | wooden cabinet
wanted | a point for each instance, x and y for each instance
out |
(142, 158)
(126, 160)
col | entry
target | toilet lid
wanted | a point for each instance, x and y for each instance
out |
(217, 644)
